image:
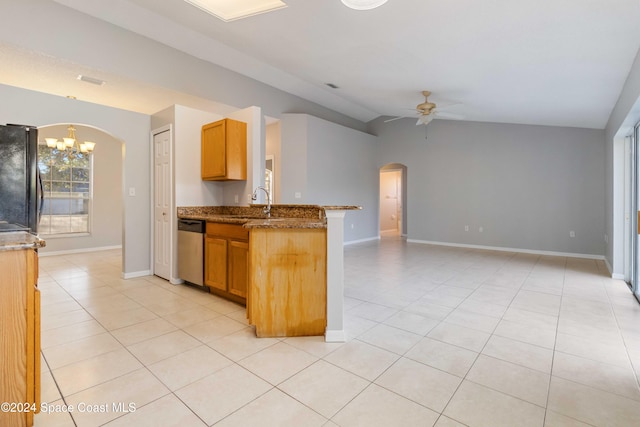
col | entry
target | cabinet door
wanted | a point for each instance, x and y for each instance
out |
(36, 355)
(238, 267)
(236, 134)
(215, 266)
(214, 151)
(19, 334)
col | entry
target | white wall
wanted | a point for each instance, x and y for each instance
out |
(273, 138)
(190, 189)
(106, 209)
(252, 116)
(35, 108)
(293, 167)
(330, 164)
(527, 186)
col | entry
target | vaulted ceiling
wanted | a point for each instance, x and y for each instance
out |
(547, 62)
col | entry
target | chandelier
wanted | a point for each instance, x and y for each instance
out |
(70, 144)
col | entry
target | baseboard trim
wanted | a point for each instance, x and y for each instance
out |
(135, 274)
(78, 251)
(353, 242)
(335, 335)
(617, 276)
(502, 249)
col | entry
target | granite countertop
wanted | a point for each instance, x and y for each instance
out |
(342, 208)
(258, 222)
(282, 216)
(18, 240)
(286, 223)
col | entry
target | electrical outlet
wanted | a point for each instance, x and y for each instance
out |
(606, 238)
(466, 228)
(236, 198)
(132, 191)
(297, 195)
(481, 229)
(572, 234)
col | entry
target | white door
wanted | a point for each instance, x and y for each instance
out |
(162, 204)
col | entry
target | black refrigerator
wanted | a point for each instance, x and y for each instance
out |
(20, 186)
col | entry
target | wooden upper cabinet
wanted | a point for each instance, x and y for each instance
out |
(224, 151)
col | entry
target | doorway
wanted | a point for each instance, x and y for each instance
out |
(86, 203)
(393, 200)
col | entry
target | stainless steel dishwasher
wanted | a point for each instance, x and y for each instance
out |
(191, 250)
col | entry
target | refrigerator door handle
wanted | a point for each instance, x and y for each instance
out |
(41, 196)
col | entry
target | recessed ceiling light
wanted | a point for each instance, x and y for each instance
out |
(91, 80)
(230, 10)
(363, 4)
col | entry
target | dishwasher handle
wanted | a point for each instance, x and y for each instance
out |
(193, 225)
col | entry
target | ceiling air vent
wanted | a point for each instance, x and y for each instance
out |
(91, 80)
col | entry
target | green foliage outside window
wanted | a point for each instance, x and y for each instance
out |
(66, 180)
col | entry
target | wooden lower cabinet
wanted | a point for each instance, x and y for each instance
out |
(215, 270)
(226, 260)
(288, 282)
(19, 337)
(238, 262)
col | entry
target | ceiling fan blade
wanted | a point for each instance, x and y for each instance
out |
(394, 119)
(448, 105)
(449, 115)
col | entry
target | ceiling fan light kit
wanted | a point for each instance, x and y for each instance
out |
(424, 119)
(363, 4)
(426, 107)
(427, 111)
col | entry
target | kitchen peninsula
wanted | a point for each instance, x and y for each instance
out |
(289, 272)
(19, 327)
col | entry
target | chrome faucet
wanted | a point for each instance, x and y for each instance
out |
(267, 209)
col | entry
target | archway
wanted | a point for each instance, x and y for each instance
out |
(393, 200)
(105, 226)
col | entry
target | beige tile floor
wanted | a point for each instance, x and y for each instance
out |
(437, 336)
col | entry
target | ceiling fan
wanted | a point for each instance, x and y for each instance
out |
(427, 111)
